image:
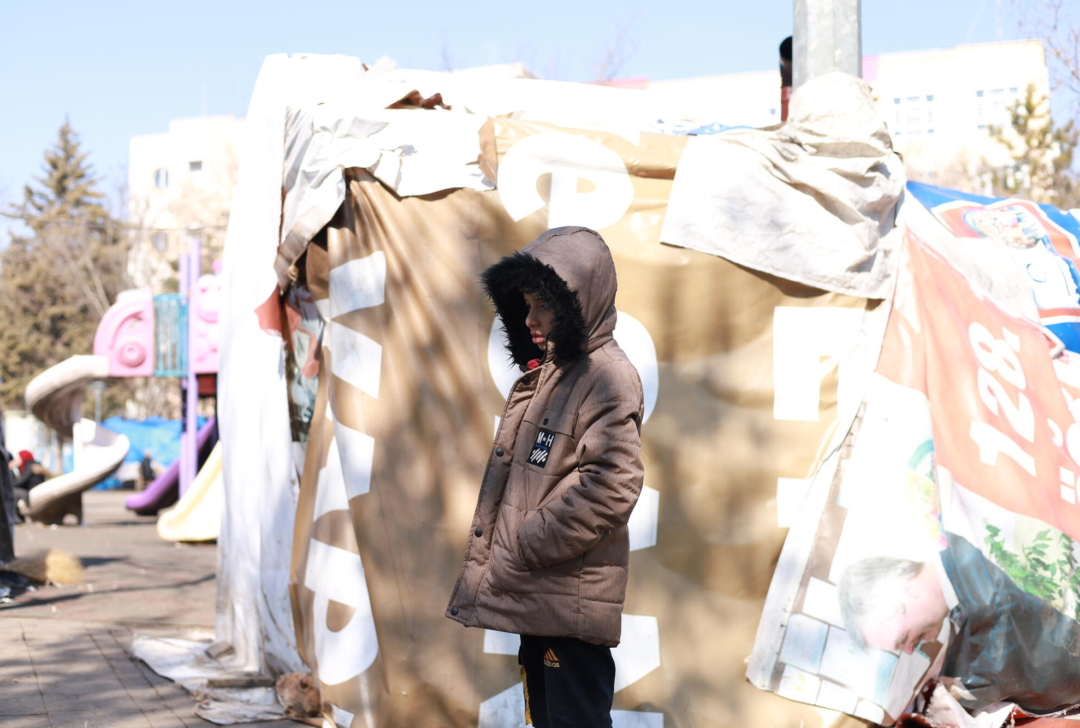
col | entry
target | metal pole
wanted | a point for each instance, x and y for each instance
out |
(827, 37)
(186, 474)
(194, 267)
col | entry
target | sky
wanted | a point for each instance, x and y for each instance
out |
(117, 69)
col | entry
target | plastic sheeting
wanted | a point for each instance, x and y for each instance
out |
(423, 152)
(254, 615)
(156, 434)
(813, 200)
(185, 662)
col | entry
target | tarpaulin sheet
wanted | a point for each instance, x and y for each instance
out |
(946, 542)
(747, 378)
(813, 200)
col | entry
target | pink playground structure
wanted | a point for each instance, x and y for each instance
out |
(141, 335)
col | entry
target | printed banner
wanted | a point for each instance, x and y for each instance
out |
(945, 547)
(743, 373)
(1041, 238)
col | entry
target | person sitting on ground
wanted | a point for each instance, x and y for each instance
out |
(31, 474)
(1004, 645)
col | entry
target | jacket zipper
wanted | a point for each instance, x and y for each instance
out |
(483, 481)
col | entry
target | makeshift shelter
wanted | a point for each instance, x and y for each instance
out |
(362, 376)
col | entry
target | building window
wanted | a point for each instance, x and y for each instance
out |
(992, 106)
(160, 241)
(161, 178)
(195, 166)
(913, 115)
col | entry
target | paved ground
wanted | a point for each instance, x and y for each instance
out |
(63, 658)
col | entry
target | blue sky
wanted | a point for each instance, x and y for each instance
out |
(122, 68)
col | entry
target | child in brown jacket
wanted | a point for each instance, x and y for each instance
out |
(548, 552)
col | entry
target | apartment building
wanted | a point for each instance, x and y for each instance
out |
(180, 185)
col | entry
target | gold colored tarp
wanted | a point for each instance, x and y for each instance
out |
(406, 410)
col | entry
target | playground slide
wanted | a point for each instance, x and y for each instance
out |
(55, 398)
(197, 517)
(164, 491)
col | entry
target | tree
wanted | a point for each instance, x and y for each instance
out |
(1043, 154)
(57, 281)
(1049, 21)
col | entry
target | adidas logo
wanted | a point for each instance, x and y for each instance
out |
(550, 660)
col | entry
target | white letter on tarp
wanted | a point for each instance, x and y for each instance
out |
(567, 158)
(338, 575)
(801, 337)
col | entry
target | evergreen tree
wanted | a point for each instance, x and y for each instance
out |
(1042, 152)
(57, 280)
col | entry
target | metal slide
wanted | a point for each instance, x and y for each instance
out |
(55, 397)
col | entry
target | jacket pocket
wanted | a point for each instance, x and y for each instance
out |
(507, 565)
(613, 549)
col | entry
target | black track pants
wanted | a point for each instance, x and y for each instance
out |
(568, 683)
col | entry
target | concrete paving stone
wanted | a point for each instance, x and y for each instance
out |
(97, 720)
(10, 629)
(21, 702)
(13, 668)
(129, 674)
(168, 692)
(73, 642)
(22, 683)
(57, 703)
(25, 721)
(103, 687)
(150, 701)
(170, 722)
(66, 648)
(139, 685)
(156, 708)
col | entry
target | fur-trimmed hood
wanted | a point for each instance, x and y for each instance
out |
(570, 269)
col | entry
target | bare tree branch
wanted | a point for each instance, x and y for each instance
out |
(615, 55)
(1050, 22)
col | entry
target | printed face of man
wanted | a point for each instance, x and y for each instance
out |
(921, 611)
(539, 319)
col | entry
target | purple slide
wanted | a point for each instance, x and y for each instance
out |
(164, 491)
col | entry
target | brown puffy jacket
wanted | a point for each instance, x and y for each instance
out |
(548, 549)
